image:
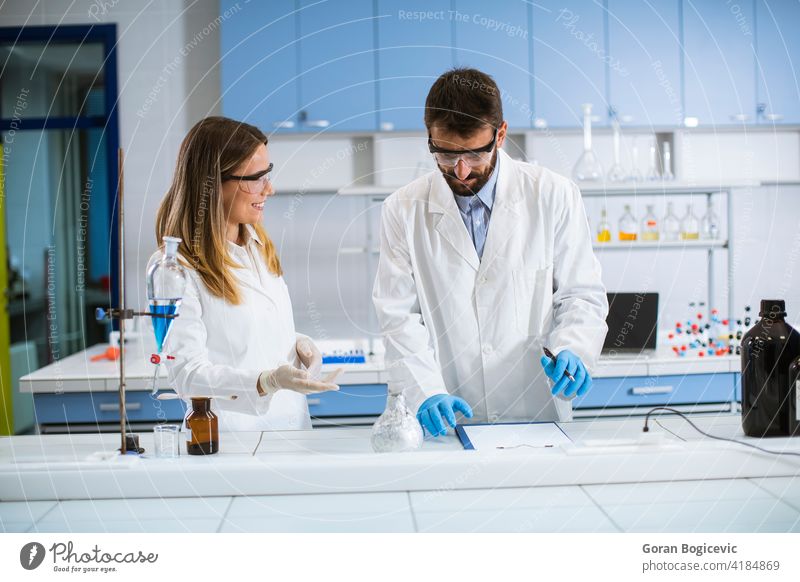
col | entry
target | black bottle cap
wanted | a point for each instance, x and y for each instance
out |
(772, 308)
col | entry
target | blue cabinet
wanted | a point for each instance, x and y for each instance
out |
(644, 73)
(337, 66)
(349, 400)
(658, 391)
(569, 61)
(778, 55)
(415, 40)
(259, 54)
(718, 62)
(496, 39)
(101, 407)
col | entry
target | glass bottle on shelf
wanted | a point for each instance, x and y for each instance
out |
(616, 173)
(603, 228)
(709, 228)
(666, 173)
(671, 226)
(627, 225)
(652, 162)
(690, 226)
(588, 167)
(649, 225)
(636, 174)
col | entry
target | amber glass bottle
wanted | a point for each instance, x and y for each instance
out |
(768, 349)
(202, 427)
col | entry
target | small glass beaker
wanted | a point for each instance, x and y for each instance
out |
(167, 441)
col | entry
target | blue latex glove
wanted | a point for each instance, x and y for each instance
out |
(440, 406)
(569, 362)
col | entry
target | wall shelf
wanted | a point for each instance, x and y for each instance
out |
(661, 245)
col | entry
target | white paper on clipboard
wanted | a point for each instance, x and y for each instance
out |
(506, 436)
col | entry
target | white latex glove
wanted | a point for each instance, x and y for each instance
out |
(309, 355)
(287, 377)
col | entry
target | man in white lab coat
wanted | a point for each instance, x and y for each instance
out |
(483, 263)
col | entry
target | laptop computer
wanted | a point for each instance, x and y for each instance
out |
(632, 324)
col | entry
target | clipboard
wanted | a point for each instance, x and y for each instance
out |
(555, 437)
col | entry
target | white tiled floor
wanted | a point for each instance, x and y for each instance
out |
(725, 505)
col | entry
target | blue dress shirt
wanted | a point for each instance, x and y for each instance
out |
(476, 210)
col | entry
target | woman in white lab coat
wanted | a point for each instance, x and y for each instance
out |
(234, 337)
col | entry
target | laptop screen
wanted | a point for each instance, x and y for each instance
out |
(632, 322)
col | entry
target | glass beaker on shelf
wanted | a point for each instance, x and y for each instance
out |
(603, 228)
(628, 230)
(650, 225)
(690, 226)
(709, 226)
(671, 226)
(588, 167)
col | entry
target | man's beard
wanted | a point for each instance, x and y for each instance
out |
(460, 189)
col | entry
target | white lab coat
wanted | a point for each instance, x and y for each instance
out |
(454, 323)
(220, 349)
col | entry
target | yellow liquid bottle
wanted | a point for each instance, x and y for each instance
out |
(627, 226)
(603, 228)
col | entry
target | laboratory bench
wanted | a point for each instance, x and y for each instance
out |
(83, 395)
(607, 479)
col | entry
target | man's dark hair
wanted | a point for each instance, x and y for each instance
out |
(463, 101)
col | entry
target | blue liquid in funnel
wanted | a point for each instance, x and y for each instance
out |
(162, 325)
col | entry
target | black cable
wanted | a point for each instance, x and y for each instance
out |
(711, 436)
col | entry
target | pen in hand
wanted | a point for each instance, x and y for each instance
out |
(550, 355)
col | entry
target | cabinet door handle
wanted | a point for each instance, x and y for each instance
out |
(540, 123)
(740, 117)
(773, 116)
(317, 123)
(314, 401)
(283, 124)
(112, 407)
(643, 390)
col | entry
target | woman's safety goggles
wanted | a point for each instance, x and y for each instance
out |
(255, 183)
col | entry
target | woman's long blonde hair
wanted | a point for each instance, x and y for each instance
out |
(192, 208)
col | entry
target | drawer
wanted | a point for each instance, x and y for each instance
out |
(92, 407)
(349, 400)
(658, 390)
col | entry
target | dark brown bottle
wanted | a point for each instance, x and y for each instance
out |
(794, 395)
(202, 427)
(768, 349)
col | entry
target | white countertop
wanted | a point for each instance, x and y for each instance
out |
(340, 460)
(328, 480)
(77, 373)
